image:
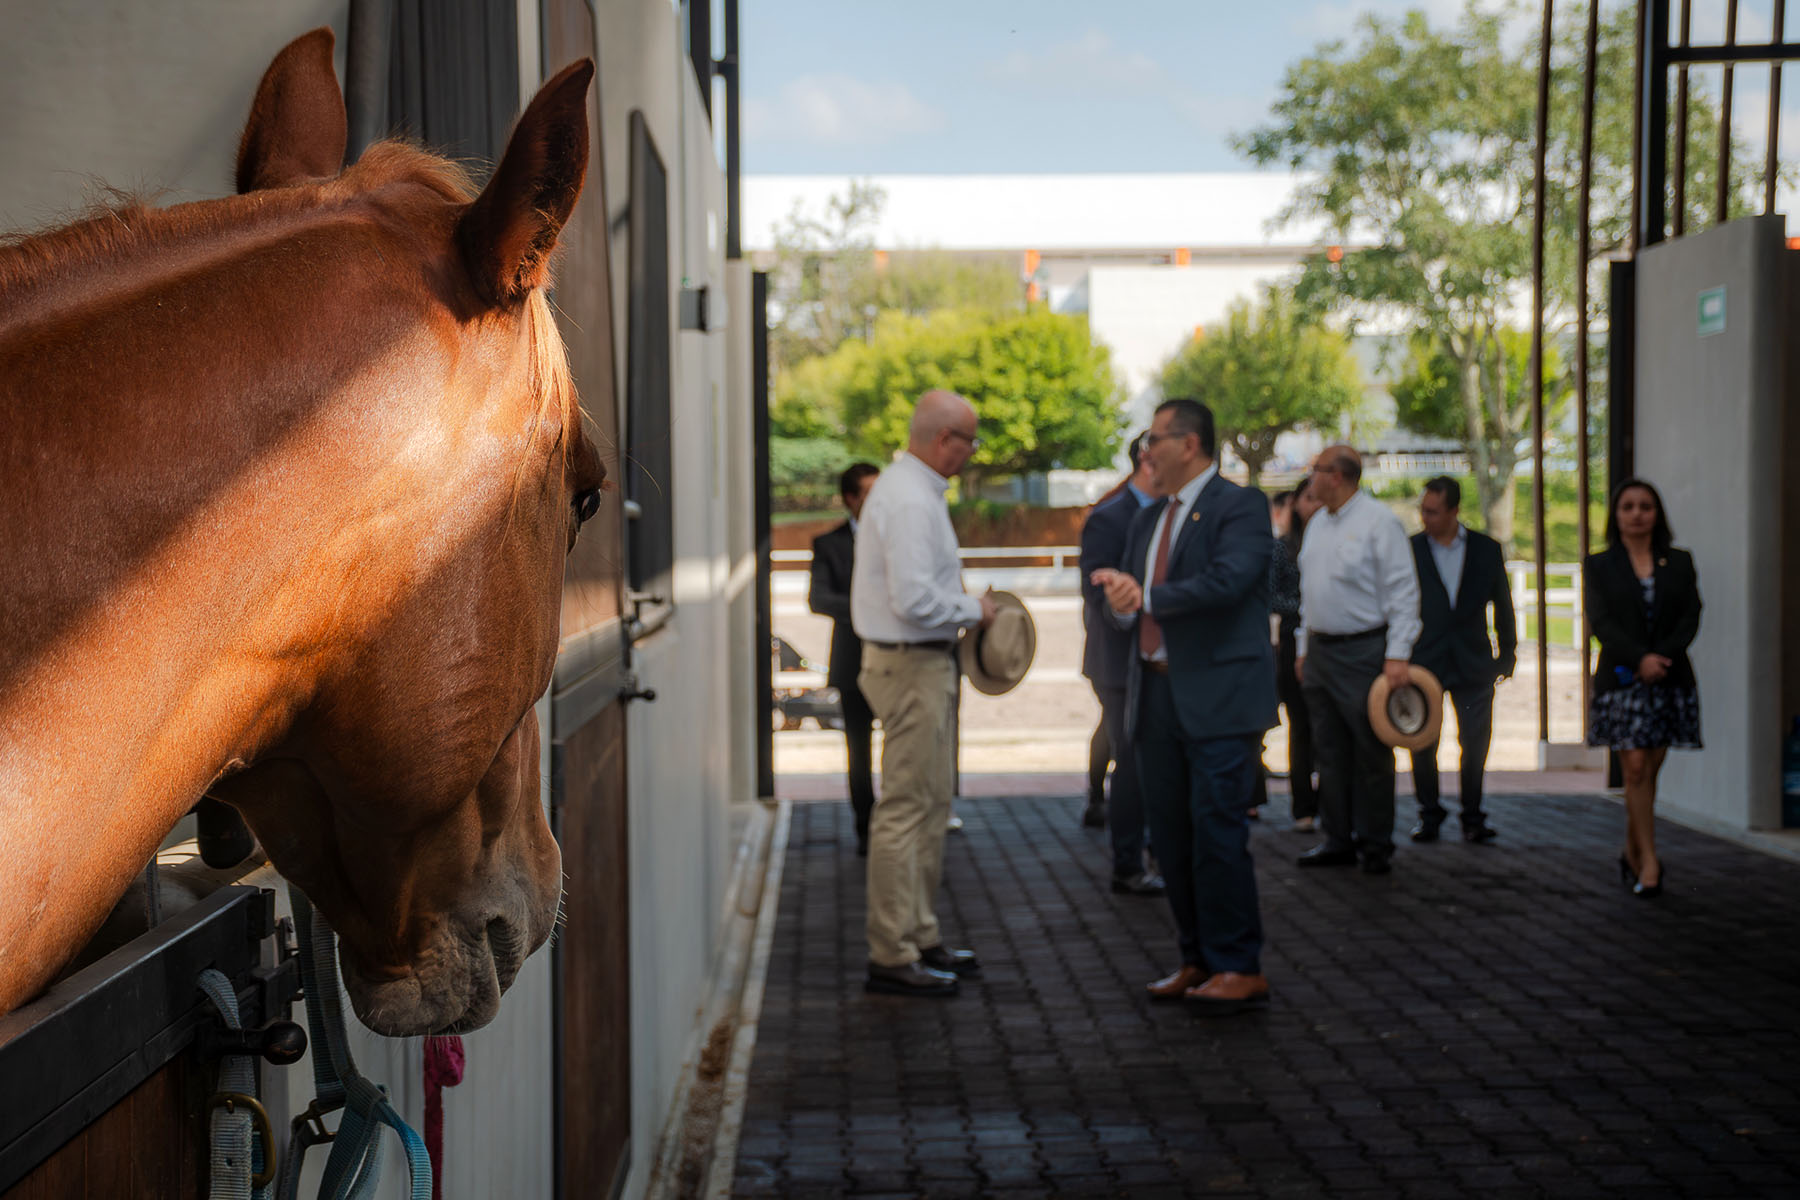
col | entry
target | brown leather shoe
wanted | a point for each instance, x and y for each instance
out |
(1229, 992)
(1174, 987)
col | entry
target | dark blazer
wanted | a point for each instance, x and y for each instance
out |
(1615, 607)
(828, 594)
(1214, 612)
(1106, 658)
(1453, 644)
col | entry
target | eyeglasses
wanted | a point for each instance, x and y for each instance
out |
(974, 442)
(1150, 439)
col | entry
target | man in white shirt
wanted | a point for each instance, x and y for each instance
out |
(907, 604)
(1359, 618)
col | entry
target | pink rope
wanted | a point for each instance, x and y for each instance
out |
(443, 1068)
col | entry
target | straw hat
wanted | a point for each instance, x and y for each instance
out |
(996, 658)
(1410, 717)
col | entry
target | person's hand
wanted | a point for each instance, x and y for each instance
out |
(1652, 667)
(1396, 672)
(1122, 592)
(989, 610)
(1300, 669)
(1508, 665)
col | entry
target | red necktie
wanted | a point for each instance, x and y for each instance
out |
(1149, 632)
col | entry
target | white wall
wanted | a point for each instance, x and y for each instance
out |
(679, 750)
(108, 92)
(1147, 314)
(1708, 436)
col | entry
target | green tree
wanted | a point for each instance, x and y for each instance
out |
(1043, 389)
(1268, 371)
(1417, 144)
(813, 301)
(1427, 399)
(829, 285)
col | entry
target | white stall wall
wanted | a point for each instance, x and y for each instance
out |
(1708, 423)
(128, 96)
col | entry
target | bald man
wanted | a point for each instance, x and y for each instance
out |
(907, 604)
(1359, 618)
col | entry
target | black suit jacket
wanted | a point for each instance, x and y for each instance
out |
(1106, 658)
(1214, 612)
(1615, 607)
(1453, 645)
(828, 594)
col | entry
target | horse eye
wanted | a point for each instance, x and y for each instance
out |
(587, 504)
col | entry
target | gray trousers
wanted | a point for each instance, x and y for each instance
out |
(1356, 769)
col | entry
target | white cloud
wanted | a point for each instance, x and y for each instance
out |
(1091, 59)
(836, 109)
(1095, 64)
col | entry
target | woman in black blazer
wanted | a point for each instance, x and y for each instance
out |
(1643, 603)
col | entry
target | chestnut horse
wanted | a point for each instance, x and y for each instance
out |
(288, 479)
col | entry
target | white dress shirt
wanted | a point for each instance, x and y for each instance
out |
(1189, 493)
(907, 582)
(1356, 574)
(1449, 560)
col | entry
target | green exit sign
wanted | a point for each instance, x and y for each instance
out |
(1712, 311)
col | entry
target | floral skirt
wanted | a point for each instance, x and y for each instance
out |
(1645, 716)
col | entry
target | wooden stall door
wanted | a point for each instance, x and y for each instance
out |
(149, 1146)
(593, 953)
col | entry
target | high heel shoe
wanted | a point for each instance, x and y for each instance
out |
(1650, 891)
(1627, 877)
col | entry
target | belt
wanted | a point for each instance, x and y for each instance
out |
(1331, 639)
(1154, 666)
(942, 647)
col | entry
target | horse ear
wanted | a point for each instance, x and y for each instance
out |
(297, 127)
(508, 234)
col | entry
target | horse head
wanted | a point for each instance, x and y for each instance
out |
(403, 794)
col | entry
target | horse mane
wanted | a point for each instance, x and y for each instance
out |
(129, 226)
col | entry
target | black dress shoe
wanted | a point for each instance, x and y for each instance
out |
(1144, 883)
(957, 962)
(1426, 831)
(913, 979)
(1094, 816)
(1323, 855)
(1480, 831)
(1377, 864)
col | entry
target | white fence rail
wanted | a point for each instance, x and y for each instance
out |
(1562, 600)
(1563, 596)
(1059, 556)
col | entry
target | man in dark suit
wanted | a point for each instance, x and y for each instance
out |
(1461, 572)
(1194, 587)
(1106, 661)
(834, 556)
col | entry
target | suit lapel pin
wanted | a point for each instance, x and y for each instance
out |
(1196, 515)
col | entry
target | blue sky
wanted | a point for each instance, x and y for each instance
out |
(1013, 86)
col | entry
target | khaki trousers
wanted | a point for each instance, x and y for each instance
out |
(913, 691)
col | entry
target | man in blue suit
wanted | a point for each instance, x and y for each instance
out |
(1106, 661)
(1194, 586)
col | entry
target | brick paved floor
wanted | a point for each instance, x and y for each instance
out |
(1486, 1021)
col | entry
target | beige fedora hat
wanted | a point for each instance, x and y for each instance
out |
(1410, 717)
(996, 658)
